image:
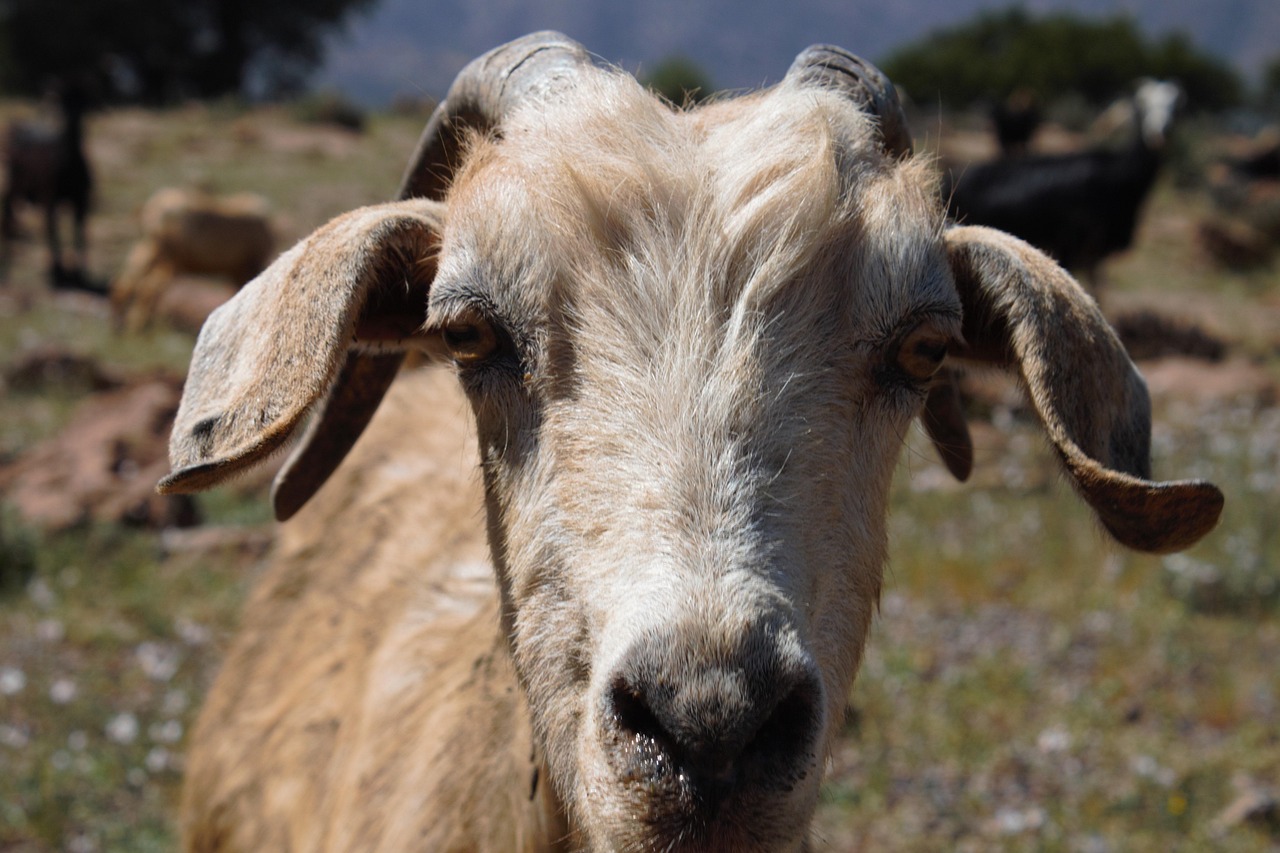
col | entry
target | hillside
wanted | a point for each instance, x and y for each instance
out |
(413, 47)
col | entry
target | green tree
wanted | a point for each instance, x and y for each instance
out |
(1269, 89)
(159, 50)
(1209, 83)
(1055, 55)
(679, 80)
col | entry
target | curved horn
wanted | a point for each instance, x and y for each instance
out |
(488, 88)
(835, 68)
(483, 92)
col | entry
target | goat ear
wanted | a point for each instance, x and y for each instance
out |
(1023, 311)
(329, 320)
(943, 420)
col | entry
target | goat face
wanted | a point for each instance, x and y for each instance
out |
(692, 357)
(692, 343)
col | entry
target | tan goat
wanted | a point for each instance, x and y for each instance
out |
(189, 231)
(690, 344)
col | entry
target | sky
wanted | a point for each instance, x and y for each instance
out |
(415, 47)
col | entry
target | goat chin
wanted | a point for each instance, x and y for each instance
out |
(685, 347)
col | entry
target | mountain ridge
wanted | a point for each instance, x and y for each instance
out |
(410, 47)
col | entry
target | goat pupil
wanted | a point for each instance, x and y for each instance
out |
(933, 351)
(462, 337)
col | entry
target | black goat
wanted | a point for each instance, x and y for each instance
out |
(47, 167)
(1260, 164)
(1015, 120)
(1078, 207)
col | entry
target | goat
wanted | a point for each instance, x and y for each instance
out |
(1079, 207)
(1015, 120)
(193, 232)
(1260, 163)
(690, 343)
(48, 168)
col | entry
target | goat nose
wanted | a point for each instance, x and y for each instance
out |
(712, 729)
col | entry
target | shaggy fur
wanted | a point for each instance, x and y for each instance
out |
(690, 344)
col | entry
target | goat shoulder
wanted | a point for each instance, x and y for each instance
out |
(374, 657)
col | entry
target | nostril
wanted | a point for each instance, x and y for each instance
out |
(631, 712)
(785, 735)
(714, 736)
(644, 751)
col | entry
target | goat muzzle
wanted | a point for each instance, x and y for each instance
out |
(712, 748)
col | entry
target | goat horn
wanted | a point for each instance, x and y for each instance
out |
(830, 67)
(483, 92)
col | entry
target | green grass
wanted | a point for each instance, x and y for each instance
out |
(1028, 686)
(107, 652)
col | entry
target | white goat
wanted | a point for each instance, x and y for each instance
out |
(691, 343)
(189, 231)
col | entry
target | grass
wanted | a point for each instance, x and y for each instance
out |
(1036, 688)
(107, 651)
(1028, 686)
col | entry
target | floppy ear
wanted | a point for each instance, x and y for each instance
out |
(943, 419)
(330, 320)
(1024, 312)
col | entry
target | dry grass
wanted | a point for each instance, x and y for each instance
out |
(1028, 686)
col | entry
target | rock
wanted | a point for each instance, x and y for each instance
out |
(46, 366)
(1148, 335)
(189, 300)
(103, 466)
(1202, 382)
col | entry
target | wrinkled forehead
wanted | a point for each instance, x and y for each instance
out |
(610, 188)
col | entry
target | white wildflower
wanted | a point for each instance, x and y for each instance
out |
(158, 660)
(41, 594)
(192, 632)
(123, 728)
(1010, 821)
(82, 844)
(1148, 768)
(1098, 621)
(175, 702)
(157, 759)
(62, 691)
(12, 681)
(1053, 739)
(1091, 844)
(170, 731)
(13, 737)
(50, 630)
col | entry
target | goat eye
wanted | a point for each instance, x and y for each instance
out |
(922, 351)
(470, 339)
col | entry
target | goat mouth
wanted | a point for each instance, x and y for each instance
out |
(688, 815)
